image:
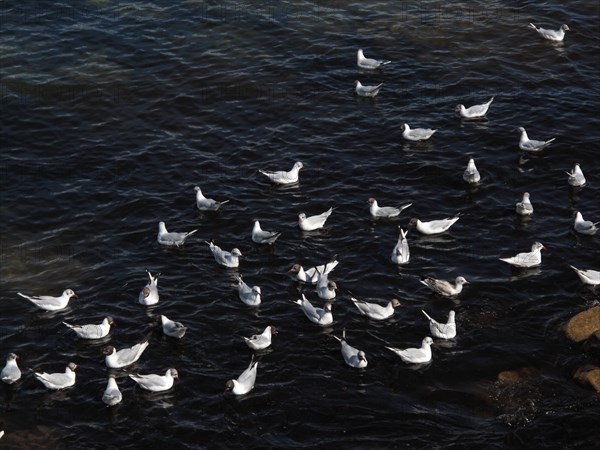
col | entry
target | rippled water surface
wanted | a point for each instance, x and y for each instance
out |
(112, 111)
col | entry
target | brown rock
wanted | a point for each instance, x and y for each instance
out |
(589, 375)
(583, 325)
(512, 376)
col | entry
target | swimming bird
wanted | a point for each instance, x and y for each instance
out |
(532, 145)
(474, 112)
(352, 356)
(207, 204)
(122, 358)
(172, 328)
(527, 259)
(173, 239)
(433, 226)
(11, 373)
(591, 277)
(224, 258)
(261, 341)
(50, 303)
(524, 207)
(112, 395)
(444, 287)
(401, 252)
(369, 63)
(154, 382)
(248, 295)
(366, 91)
(471, 174)
(415, 355)
(320, 316)
(584, 226)
(149, 295)
(92, 331)
(326, 288)
(313, 222)
(442, 330)
(261, 236)
(245, 382)
(417, 134)
(59, 380)
(551, 35)
(376, 311)
(312, 274)
(385, 211)
(576, 177)
(283, 177)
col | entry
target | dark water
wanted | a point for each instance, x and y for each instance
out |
(113, 111)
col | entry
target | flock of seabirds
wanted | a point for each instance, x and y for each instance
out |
(318, 276)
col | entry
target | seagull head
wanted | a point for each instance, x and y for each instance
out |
(413, 222)
(301, 217)
(331, 285)
(69, 293)
(298, 165)
(108, 350)
(274, 331)
(361, 356)
(427, 341)
(537, 246)
(396, 303)
(461, 280)
(72, 366)
(174, 373)
(372, 201)
(565, 27)
(521, 130)
(459, 107)
(236, 252)
(229, 386)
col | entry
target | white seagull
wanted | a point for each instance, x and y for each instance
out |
(442, 330)
(551, 35)
(433, 226)
(385, 211)
(248, 295)
(50, 303)
(92, 331)
(59, 380)
(369, 63)
(418, 134)
(173, 239)
(354, 357)
(326, 288)
(474, 112)
(207, 204)
(320, 316)
(366, 91)
(112, 395)
(415, 355)
(444, 287)
(149, 295)
(313, 222)
(576, 177)
(401, 252)
(116, 359)
(591, 277)
(283, 177)
(524, 207)
(227, 259)
(172, 328)
(261, 341)
(527, 259)
(375, 311)
(532, 145)
(312, 274)
(245, 382)
(584, 226)
(261, 236)
(156, 383)
(471, 174)
(11, 373)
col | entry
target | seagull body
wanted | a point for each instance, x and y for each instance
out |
(369, 63)
(576, 177)
(326, 288)
(59, 380)
(418, 134)
(313, 222)
(591, 277)
(92, 331)
(434, 226)
(173, 239)
(532, 145)
(401, 252)
(524, 207)
(471, 174)
(261, 341)
(584, 226)
(263, 237)
(354, 357)
(227, 259)
(156, 383)
(415, 355)
(11, 373)
(551, 35)
(366, 91)
(116, 359)
(444, 287)
(207, 204)
(320, 316)
(376, 311)
(112, 395)
(149, 295)
(248, 295)
(172, 328)
(283, 177)
(474, 112)
(312, 275)
(50, 303)
(442, 330)
(527, 259)
(245, 382)
(385, 211)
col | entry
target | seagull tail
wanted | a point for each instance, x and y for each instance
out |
(191, 232)
(532, 26)
(68, 325)
(550, 140)
(223, 202)
(426, 315)
(408, 205)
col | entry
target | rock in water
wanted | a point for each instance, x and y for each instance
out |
(583, 325)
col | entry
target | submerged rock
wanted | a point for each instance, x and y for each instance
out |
(512, 376)
(589, 375)
(583, 325)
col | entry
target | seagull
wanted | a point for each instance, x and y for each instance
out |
(173, 239)
(149, 295)
(261, 341)
(326, 288)
(49, 303)
(385, 211)
(551, 35)
(591, 277)
(156, 383)
(263, 237)
(375, 311)
(576, 177)
(401, 252)
(283, 177)
(442, 330)
(369, 63)
(320, 316)
(227, 259)
(366, 91)
(248, 295)
(207, 204)
(434, 226)
(312, 275)
(584, 226)
(313, 222)
(172, 328)
(418, 134)
(353, 356)
(112, 395)
(527, 259)
(59, 380)
(532, 145)
(11, 373)
(92, 331)
(444, 287)
(116, 359)
(415, 355)
(471, 174)
(245, 382)
(524, 207)
(474, 112)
